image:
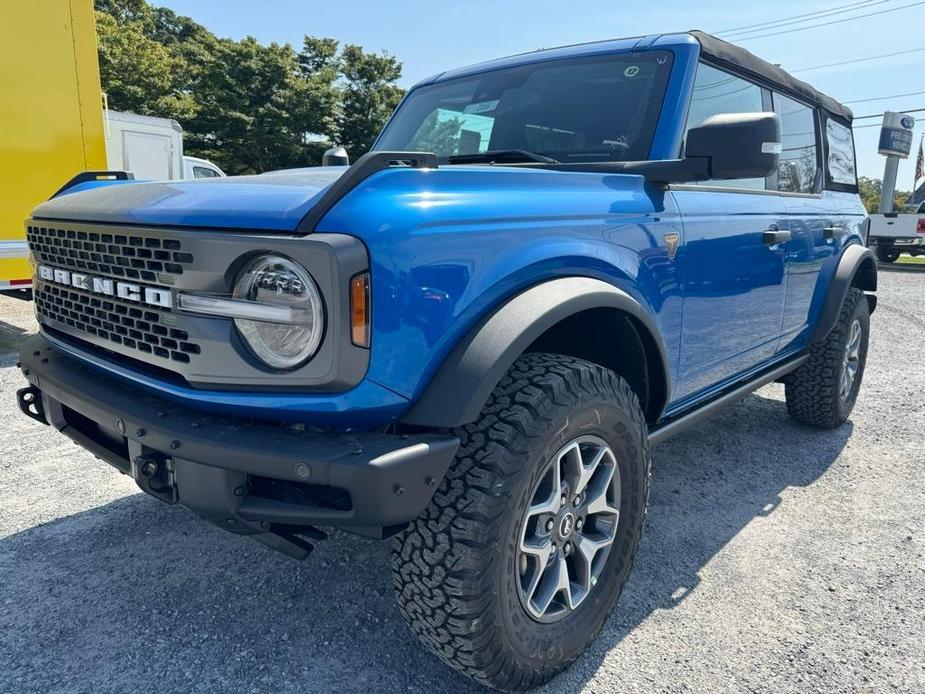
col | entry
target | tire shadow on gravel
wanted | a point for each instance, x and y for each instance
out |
(708, 483)
(136, 595)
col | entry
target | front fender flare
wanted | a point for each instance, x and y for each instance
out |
(857, 267)
(463, 383)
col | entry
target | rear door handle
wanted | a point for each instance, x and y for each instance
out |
(773, 235)
(831, 232)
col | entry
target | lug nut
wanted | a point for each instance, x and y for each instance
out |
(578, 524)
(564, 500)
(568, 547)
(549, 525)
(578, 500)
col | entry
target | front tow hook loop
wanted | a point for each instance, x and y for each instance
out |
(30, 402)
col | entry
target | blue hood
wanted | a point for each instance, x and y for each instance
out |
(271, 202)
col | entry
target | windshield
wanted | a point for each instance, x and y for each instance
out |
(602, 108)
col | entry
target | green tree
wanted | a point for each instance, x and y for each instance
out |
(247, 106)
(369, 97)
(137, 73)
(870, 191)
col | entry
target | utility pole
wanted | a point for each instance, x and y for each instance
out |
(895, 144)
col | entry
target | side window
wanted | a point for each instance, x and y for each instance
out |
(840, 146)
(718, 92)
(798, 166)
(203, 172)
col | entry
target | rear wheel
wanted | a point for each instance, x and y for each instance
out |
(512, 570)
(886, 253)
(822, 392)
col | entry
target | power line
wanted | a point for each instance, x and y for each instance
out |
(880, 115)
(882, 98)
(783, 19)
(808, 17)
(857, 60)
(836, 21)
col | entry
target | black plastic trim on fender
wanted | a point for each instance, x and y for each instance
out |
(85, 176)
(364, 167)
(679, 423)
(463, 383)
(848, 266)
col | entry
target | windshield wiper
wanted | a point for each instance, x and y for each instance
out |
(500, 156)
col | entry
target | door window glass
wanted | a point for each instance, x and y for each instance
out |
(717, 92)
(796, 172)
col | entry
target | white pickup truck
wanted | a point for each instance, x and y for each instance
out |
(895, 233)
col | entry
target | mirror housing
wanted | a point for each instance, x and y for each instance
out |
(738, 145)
(723, 147)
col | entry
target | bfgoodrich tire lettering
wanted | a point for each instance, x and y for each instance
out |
(814, 391)
(456, 567)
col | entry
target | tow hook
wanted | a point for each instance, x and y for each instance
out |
(154, 474)
(30, 402)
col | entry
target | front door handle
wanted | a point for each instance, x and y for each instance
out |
(831, 232)
(773, 236)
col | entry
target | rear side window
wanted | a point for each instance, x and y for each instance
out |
(798, 166)
(718, 92)
(203, 172)
(840, 160)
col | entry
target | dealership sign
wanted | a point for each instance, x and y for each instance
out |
(896, 134)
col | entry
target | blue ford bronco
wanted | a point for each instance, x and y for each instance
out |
(468, 340)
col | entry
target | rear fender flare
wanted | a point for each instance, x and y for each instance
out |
(463, 383)
(857, 267)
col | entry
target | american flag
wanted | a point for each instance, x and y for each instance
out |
(919, 163)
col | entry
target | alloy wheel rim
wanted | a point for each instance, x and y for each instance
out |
(850, 360)
(568, 529)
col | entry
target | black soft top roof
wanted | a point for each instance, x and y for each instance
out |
(742, 61)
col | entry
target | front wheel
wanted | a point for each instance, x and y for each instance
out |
(512, 570)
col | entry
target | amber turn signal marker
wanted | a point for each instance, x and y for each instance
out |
(359, 310)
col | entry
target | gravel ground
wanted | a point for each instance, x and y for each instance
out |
(776, 558)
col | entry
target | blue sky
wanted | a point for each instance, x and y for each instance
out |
(429, 37)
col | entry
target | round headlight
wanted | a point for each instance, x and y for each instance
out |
(279, 283)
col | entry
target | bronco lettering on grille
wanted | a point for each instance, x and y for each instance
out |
(156, 296)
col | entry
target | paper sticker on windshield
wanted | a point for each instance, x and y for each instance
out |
(771, 148)
(631, 71)
(481, 107)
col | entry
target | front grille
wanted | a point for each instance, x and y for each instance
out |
(138, 327)
(119, 255)
(111, 292)
(146, 331)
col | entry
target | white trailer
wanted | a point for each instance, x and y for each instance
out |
(151, 148)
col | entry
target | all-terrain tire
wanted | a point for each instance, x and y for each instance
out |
(813, 390)
(455, 568)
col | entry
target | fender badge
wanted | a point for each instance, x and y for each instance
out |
(671, 243)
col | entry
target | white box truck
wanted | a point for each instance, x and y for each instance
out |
(151, 148)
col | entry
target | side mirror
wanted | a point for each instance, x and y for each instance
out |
(336, 156)
(737, 145)
(726, 146)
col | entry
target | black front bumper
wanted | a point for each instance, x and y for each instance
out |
(249, 477)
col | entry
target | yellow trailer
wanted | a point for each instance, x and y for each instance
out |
(51, 115)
